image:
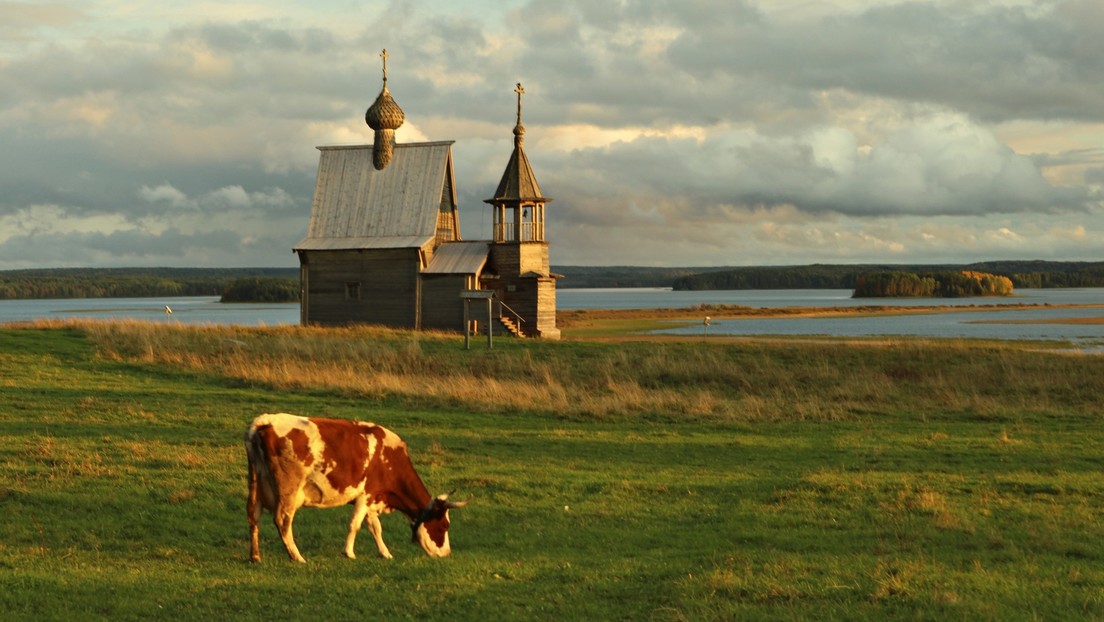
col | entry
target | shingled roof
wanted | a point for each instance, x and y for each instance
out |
(459, 258)
(356, 206)
(519, 183)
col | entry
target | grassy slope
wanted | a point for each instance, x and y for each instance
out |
(964, 484)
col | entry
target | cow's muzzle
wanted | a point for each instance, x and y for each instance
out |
(436, 509)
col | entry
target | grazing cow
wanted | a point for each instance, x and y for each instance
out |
(299, 461)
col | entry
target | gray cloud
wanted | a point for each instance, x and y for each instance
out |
(132, 248)
(1095, 176)
(721, 132)
(940, 166)
(994, 62)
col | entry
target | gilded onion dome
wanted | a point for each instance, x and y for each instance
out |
(384, 116)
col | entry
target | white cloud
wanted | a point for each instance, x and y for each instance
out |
(164, 192)
(1004, 234)
(38, 220)
(230, 197)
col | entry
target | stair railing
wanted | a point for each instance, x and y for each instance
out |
(503, 307)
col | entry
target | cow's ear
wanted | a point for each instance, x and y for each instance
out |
(440, 506)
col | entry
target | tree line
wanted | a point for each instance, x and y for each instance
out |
(132, 282)
(261, 289)
(960, 284)
(773, 277)
(156, 282)
(1022, 274)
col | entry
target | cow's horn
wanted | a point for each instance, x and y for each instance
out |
(450, 505)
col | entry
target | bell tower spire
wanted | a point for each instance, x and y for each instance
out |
(519, 192)
(519, 250)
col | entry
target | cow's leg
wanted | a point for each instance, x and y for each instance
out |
(376, 529)
(284, 515)
(360, 510)
(253, 510)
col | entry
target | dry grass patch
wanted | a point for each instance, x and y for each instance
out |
(686, 380)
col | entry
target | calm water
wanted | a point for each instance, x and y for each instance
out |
(654, 298)
(207, 310)
(185, 310)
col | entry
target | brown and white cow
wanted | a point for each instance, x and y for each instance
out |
(299, 462)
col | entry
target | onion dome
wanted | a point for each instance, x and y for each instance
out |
(384, 116)
(519, 129)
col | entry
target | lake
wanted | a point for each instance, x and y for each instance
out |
(977, 323)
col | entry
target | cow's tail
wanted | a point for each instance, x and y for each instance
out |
(261, 485)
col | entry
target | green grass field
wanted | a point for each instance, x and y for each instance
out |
(764, 479)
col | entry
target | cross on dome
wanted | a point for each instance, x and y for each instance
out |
(519, 129)
(520, 90)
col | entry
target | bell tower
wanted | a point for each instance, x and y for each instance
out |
(519, 252)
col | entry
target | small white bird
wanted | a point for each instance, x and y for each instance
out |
(168, 311)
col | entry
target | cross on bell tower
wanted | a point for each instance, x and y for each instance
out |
(519, 129)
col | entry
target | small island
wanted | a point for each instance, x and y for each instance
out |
(261, 289)
(951, 284)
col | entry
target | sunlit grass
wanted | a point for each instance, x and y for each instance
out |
(745, 380)
(663, 480)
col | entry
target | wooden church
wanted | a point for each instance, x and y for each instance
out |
(383, 245)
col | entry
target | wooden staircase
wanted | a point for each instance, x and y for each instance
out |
(511, 326)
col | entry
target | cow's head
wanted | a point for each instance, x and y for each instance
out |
(431, 528)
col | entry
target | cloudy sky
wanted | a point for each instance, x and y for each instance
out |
(669, 132)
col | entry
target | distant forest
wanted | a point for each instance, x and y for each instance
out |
(261, 289)
(134, 282)
(1023, 274)
(271, 284)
